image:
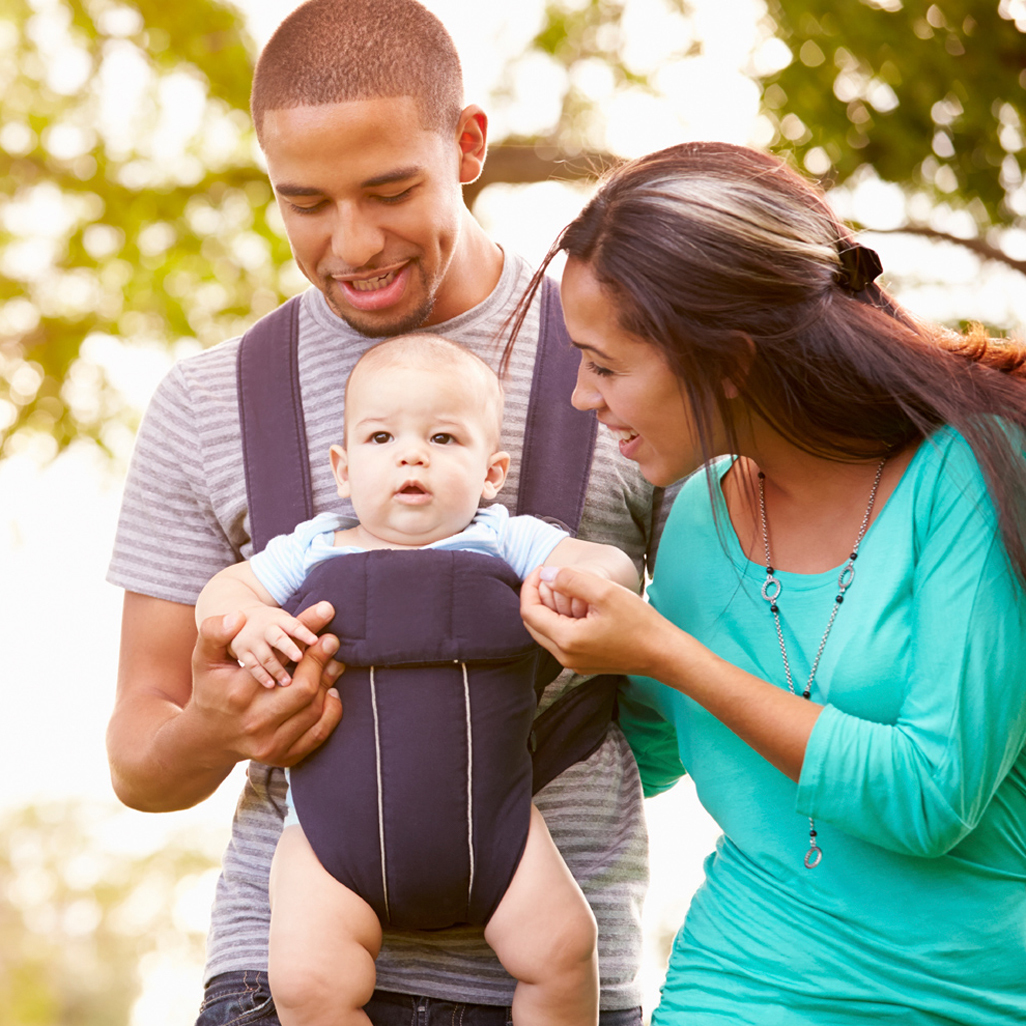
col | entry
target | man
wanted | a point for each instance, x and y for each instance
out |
(358, 108)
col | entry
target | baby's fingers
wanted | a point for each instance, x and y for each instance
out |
(298, 630)
(248, 661)
(277, 638)
(263, 663)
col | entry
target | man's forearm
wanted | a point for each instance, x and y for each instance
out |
(159, 760)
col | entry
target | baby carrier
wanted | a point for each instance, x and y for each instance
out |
(420, 799)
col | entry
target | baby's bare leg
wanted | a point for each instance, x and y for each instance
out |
(324, 939)
(544, 934)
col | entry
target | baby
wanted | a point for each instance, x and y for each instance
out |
(421, 450)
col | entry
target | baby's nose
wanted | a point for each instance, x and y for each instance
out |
(414, 456)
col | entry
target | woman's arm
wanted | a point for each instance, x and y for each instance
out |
(921, 784)
(916, 786)
(621, 633)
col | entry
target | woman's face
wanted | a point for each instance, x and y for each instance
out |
(627, 382)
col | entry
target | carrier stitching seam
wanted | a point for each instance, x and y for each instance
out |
(470, 787)
(381, 804)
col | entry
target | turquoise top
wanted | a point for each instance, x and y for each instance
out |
(915, 771)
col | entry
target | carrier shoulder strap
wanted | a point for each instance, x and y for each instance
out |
(559, 441)
(274, 450)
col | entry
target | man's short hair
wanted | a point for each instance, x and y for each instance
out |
(335, 51)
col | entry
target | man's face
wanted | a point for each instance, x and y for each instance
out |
(372, 206)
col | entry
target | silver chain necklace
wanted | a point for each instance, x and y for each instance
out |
(771, 589)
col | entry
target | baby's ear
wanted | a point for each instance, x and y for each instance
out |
(340, 470)
(495, 478)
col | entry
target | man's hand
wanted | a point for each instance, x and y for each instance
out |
(279, 727)
(186, 713)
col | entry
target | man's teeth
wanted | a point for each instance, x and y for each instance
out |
(370, 284)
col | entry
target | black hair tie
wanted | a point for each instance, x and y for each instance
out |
(860, 266)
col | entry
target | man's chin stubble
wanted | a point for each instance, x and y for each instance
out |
(381, 328)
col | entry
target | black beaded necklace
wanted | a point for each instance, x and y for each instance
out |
(771, 589)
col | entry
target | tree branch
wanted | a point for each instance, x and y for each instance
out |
(521, 165)
(980, 247)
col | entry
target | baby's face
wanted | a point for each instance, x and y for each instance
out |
(420, 452)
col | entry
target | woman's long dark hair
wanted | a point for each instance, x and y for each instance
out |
(730, 263)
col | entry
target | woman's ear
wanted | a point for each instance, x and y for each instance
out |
(495, 478)
(734, 381)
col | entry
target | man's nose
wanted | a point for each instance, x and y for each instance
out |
(356, 239)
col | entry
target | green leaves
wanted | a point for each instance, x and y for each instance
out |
(131, 203)
(933, 96)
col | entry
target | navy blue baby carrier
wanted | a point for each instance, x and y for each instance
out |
(420, 799)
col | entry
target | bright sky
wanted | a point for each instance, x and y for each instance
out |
(56, 524)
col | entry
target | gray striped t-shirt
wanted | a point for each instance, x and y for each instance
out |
(184, 517)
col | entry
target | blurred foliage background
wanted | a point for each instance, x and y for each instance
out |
(80, 914)
(134, 213)
(135, 219)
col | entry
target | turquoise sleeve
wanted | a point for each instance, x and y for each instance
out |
(651, 735)
(920, 785)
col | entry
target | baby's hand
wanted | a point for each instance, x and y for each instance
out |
(267, 633)
(556, 600)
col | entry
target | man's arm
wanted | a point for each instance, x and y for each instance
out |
(185, 712)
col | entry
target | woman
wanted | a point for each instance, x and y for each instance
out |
(857, 735)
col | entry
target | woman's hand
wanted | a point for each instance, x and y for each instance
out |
(617, 633)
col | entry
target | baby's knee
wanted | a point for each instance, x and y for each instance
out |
(299, 988)
(573, 939)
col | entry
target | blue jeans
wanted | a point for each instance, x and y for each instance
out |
(241, 998)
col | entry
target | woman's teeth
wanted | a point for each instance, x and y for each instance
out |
(623, 434)
(370, 284)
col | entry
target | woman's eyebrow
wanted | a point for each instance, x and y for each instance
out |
(587, 348)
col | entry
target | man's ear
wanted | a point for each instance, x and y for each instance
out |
(340, 470)
(472, 138)
(498, 468)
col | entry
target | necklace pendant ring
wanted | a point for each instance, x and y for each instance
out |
(846, 576)
(813, 857)
(771, 581)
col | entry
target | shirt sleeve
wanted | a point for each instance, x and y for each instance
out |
(650, 731)
(920, 785)
(282, 565)
(169, 540)
(526, 542)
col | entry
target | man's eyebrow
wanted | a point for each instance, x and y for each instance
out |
(285, 189)
(400, 174)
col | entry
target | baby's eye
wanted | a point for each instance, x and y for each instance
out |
(380, 437)
(442, 438)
